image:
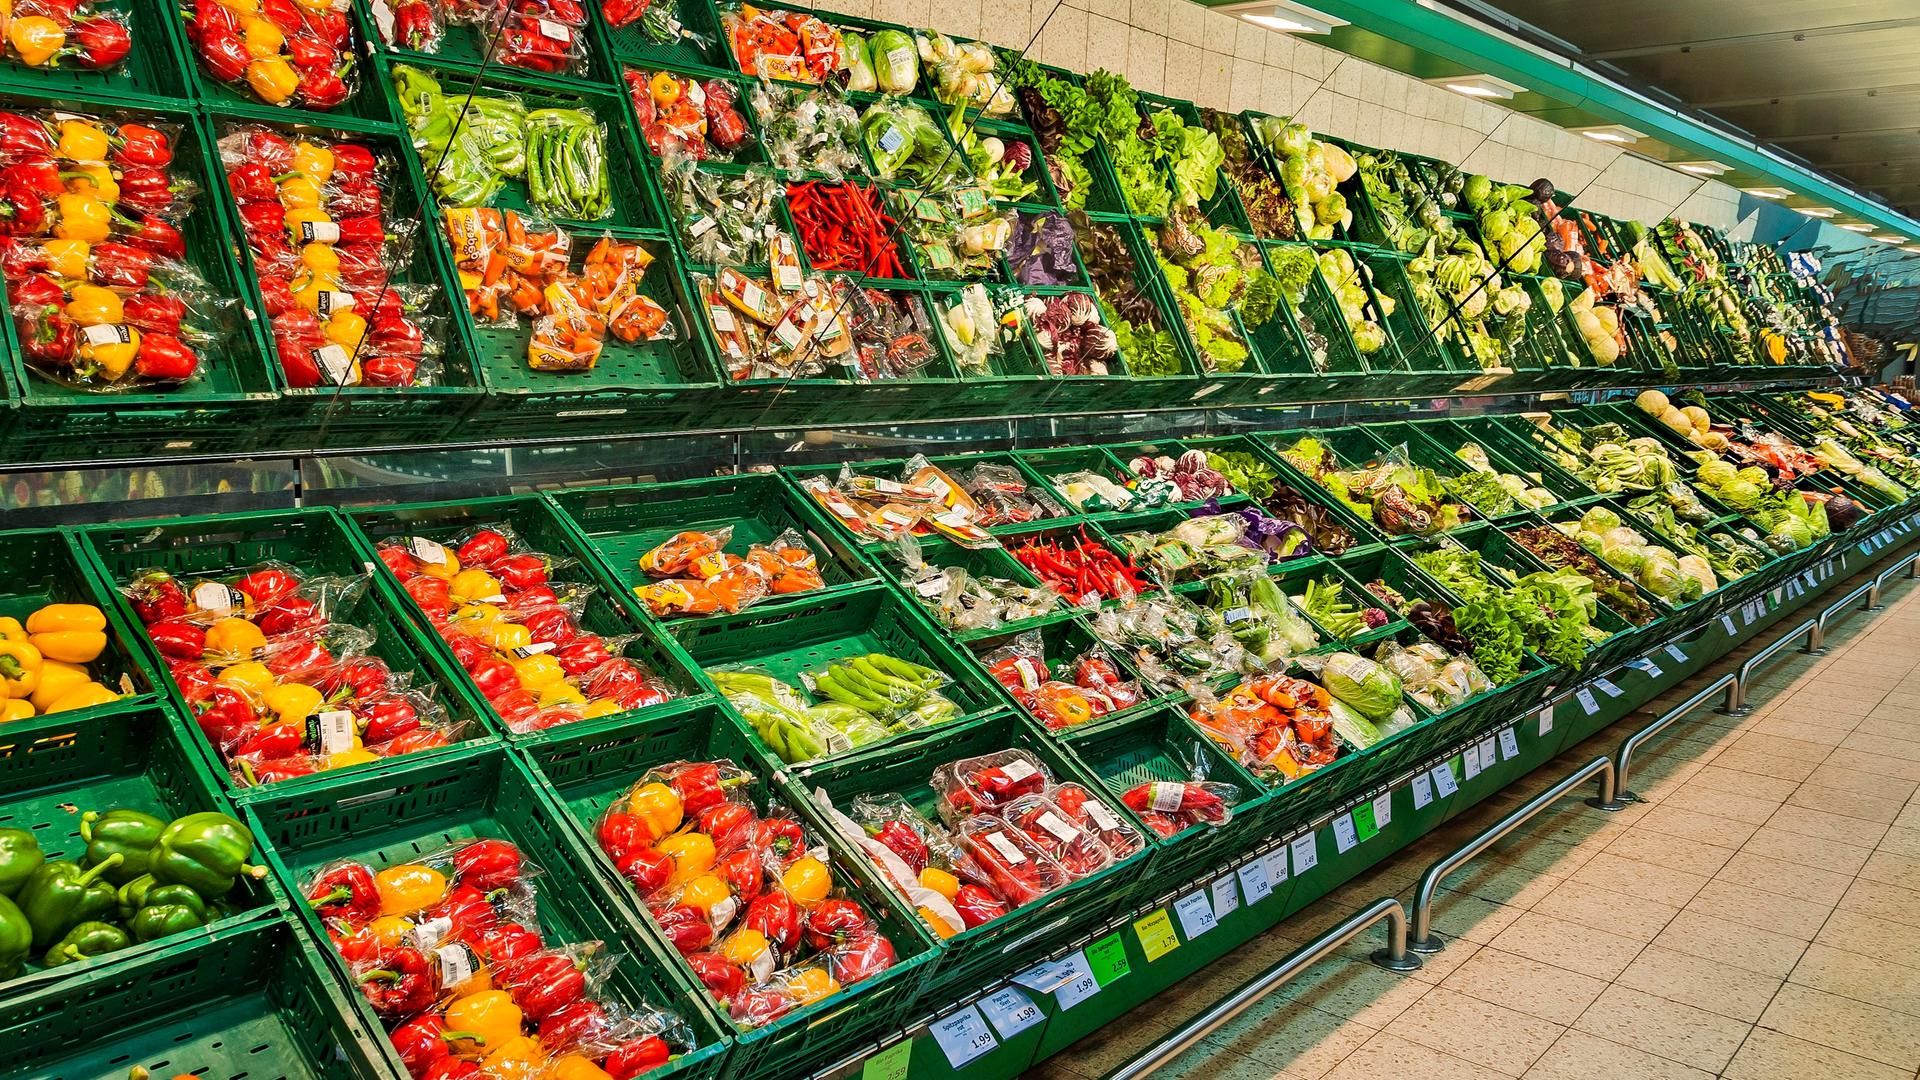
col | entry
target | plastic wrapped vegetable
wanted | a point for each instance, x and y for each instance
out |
(895, 60)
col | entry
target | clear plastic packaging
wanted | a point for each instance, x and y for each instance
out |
(1077, 850)
(1018, 870)
(984, 784)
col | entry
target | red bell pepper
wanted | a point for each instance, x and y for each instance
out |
(165, 357)
(744, 874)
(152, 313)
(646, 869)
(630, 1059)
(178, 638)
(582, 654)
(488, 864)
(685, 928)
(621, 833)
(385, 719)
(775, 916)
(721, 976)
(865, 955)
(729, 824)
(976, 906)
(482, 548)
(346, 891)
(401, 984)
(521, 571)
(833, 922)
(422, 1043)
(99, 42)
(506, 942)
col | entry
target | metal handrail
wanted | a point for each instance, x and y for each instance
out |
(1736, 704)
(1817, 643)
(1910, 563)
(1394, 958)
(1424, 940)
(1623, 757)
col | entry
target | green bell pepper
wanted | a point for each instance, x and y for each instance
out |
(144, 891)
(20, 856)
(16, 938)
(128, 833)
(160, 920)
(61, 895)
(84, 942)
(206, 852)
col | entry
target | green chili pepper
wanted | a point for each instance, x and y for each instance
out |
(206, 851)
(16, 938)
(20, 856)
(127, 833)
(84, 942)
(60, 895)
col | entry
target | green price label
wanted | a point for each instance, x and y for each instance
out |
(889, 1064)
(1108, 959)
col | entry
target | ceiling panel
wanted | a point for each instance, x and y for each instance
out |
(1640, 24)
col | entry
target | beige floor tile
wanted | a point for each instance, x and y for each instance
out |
(1819, 853)
(1607, 909)
(1850, 803)
(1770, 1055)
(1870, 935)
(1515, 886)
(1356, 990)
(1704, 984)
(1726, 804)
(1479, 1031)
(1764, 910)
(1460, 915)
(1644, 880)
(1855, 1027)
(1292, 1040)
(1789, 721)
(1901, 841)
(1755, 742)
(1655, 841)
(1728, 940)
(1435, 967)
(1886, 722)
(1580, 1056)
(1766, 763)
(1734, 782)
(1880, 900)
(1837, 686)
(1792, 879)
(1824, 826)
(1872, 979)
(1666, 1028)
(1891, 869)
(1540, 855)
(1909, 817)
(1568, 945)
(1883, 744)
(1524, 984)
(1876, 784)
(1387, 1055)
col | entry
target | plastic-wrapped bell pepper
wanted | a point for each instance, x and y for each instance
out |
(488, 864)
(207, 851)
(127, 833)
(345, 891)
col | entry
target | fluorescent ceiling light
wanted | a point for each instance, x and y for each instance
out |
(1288, 18)
(1701, 168)
(1611, 133)
(1480, 86)
(1817, 211)
(1915, 248)
(1858, 228)
(1891, 239)
(1768, 192)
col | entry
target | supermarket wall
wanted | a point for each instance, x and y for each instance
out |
(1181, 49)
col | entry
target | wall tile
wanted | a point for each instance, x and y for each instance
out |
(1279, 51)
(1063, 42)
(1005, 22)
(1183, 69)
(1216, 79)
(1276, 91)
(1245, 91)
(1117, 10)
(1187, 21)
(1147, 61)
(1249, 41)
(1106, 44)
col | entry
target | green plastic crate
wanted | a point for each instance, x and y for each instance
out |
(49, 567)
(367, 101)
(788, 643)
(54, 768)
(403, 811)
(535, 522)
(254, 1001)
(703, 45)
(1062, 642)
(991, 562)
(974, 959)
(150, 71)
(218, 411)
(581, 775)
(314, 542)
(363, 415)
(620, 524)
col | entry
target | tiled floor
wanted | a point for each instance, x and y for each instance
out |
(1753, 919)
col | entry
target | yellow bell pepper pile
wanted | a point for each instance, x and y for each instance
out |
(44, 661)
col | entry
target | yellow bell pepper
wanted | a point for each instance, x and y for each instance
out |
(274, 80)
(315, 161)
(664, 88)
(39, 39)
(475, 618)
(85, 696)
(561, 694)
(15, 709)
(320, 259)
(519, 1058)
(807, 881)
(57, 678)
(391, 931)
(81, 140)
(293, 701)
(20, 665)
(82, 217)
(68, 619)
(576, 1067)
(251, 678)
(91, 305)
(658, 806)
(345, 328)
(445, 569)
(506, 636)
(409, 887)
(692, 854)
(536, 672)
(234, 637)
(113, 358)
(94, 180)
(11, 629)
(359, 755)
(242, 7)
(308, 287)
(485, 1020)
(303, 216)
(473, 586)
(299, 193)
(600, 707)
(263, 39)
(67, 258)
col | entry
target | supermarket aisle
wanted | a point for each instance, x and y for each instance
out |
(1753, 920)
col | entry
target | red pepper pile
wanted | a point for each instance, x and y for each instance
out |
(544, 35)
(315, 222)
(742, 896)
(449, 951)
(284, 51)
(843, 227)
(90, 245)
(1168, 806)
(50, 31)
(277, 682)
(1081, 570)
(703, 117)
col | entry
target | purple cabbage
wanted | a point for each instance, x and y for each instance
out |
(1279, 538)
(1040, 249)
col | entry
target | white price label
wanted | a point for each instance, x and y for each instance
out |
(1443, 781)
(1588, 703)
(1166, 797)
(1646, 666)
(963, 1036)
(1422, 791)
(1196, 915)
(1058, 826)
(333, 731)
(1344, 836)
(1509, 744)
(1546, 721)
(999, 842)
(335, 363)
(319, 232)
(1727, 621)
(429, 934)
(1276, 861)
(1010, 1011)
(560, 32)
(1678, 656)
(1608, 688)
(214, 598)
(1226, 898)
(106, 334)
(427, 551)
(456, 965)
(1254, 881)
(1079, 984)
(1017, 770)
(1306, 854)
(1383, 810)
(1470, 762)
